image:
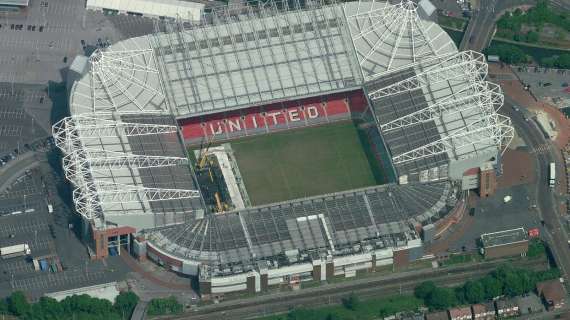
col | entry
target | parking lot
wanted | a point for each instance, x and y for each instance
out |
(552, 84)
(40, 42)
(37, 46)
(25, 118)
(26, 194)
(24, 218)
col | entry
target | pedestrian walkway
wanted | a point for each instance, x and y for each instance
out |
(515, 90)
(140, 311)
(138, 268)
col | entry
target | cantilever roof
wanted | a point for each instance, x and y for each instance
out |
(332, 222)
(387, 37)
(260, 56)
(245, 61)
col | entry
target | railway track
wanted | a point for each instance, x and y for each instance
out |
(333, 293)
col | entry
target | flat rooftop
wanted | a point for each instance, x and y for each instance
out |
(19, 3)
(505, 237)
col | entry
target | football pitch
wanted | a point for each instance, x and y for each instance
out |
(306, 162)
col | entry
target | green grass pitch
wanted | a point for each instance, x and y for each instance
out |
(306, 162)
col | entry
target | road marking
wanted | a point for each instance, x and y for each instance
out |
(541, 149)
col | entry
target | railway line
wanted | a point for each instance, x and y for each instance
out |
(333, 293)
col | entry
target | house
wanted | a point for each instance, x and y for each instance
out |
(411, 316)
(483, 311)
(439, 315)
(552, 293)
(506, 308)
(460, 313)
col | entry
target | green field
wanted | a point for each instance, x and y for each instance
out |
(306, 162)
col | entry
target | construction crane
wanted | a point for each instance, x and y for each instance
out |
(204, 153)
(219, 205)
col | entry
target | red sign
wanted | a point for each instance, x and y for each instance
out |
(534, 233)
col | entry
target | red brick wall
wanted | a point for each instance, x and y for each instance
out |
(487, 183)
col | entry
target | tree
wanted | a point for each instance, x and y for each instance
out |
(48, 308)
(563, 61)
(512, 285)
(474, 291)
(125, 303)
(508, 53)
(163, 306)
(18, 304)
(84, 304)
(549, 274)
(333, 316)
(3, 306)
(424, 289)
(460, 295)
(441, 299)
(549, 62)
(493, 287)
(532, 37)
(352, 302)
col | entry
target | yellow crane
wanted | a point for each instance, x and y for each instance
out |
(204, 153)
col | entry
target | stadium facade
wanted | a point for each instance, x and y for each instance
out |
(253, 70)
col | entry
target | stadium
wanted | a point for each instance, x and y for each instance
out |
(274, 144)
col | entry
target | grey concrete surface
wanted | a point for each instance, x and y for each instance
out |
(547, 201)
(547, 83)
(493, 215)
(31, 56)
(46, 234)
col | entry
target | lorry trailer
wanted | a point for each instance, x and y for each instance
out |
(552, 177)
(15, 251)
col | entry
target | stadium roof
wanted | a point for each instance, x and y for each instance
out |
(125, 156)
(439, 109)
(130, 167)
(330, 222)
(387, 36)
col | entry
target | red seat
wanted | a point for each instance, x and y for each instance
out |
(336, 106)
(357, 101)
(191, 128)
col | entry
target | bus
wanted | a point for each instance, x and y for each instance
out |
(552, 179)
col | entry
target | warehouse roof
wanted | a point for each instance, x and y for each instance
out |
(505, 237)
(158, 8)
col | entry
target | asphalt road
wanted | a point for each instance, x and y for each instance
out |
(15, 168)
(547, 201)
(482, 23)
(480, 27)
